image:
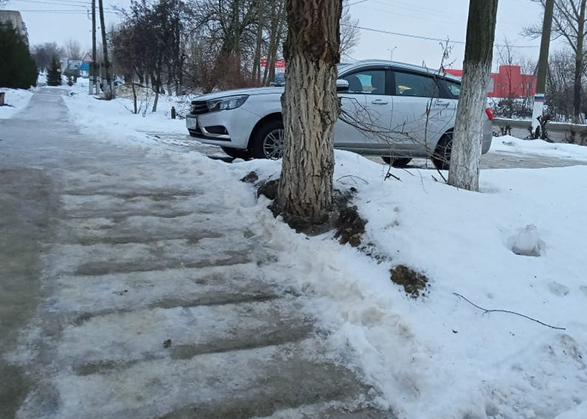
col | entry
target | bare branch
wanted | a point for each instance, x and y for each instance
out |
(486, 311)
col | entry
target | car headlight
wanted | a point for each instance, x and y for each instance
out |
(226, 103)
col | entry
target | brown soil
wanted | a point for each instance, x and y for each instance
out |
(414, 283)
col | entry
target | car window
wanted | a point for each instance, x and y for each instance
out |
(370, 82)
(408, 84)
(453, 88)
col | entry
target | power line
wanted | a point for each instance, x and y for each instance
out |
(63, 11)
(426, 38)
(357, 2)
(420, 11)
(72, 3)
(445, 18)
(55, 3)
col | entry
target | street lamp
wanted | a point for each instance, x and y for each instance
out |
(391, 52)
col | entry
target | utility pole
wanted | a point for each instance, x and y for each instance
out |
(542, 66)
(108, 85)
(93, 66)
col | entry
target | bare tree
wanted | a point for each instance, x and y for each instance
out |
(560, 84)
(311, 108)
(278, 23)
(73, 50)
(349, 31)
(569, 22)
(506, 58)
(468, 133)
(44, 53)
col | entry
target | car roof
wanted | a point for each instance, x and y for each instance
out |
(346, 67)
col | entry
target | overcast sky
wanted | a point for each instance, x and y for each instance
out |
(60, 20)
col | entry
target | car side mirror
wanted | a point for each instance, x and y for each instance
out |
(342, 85)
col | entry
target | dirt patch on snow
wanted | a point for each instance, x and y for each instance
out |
(350, 227)
(414, 283)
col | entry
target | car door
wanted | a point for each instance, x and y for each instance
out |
(422, 113)
(366, 110)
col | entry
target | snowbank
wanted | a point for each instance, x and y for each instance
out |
(441, 357)
(116, 117)
(16, 99)
(509, 144)
(438, 356)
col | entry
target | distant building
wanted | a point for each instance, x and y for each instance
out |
(16, 19)
(508, 82)
(84, 68)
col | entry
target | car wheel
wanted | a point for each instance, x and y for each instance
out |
(237, 153)
(441, 156)
(268, 141)
(397, 162)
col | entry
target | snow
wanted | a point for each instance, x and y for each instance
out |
(437, 356)
(527, 242)
(16, 100)
(509, 144)
(116, 116)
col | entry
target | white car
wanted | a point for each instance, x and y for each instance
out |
(393, 110)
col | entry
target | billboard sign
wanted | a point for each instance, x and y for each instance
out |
(279, 66)
(74, 64)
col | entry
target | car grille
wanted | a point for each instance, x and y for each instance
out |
(199, 107)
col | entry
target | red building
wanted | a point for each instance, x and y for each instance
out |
(509, 82)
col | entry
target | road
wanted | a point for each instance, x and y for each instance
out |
(126, 296)
(491, 160)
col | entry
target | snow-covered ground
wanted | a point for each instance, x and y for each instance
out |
(437, 356)
(509, 144)
(15, 100)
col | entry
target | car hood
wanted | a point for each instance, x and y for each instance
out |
(251, 92)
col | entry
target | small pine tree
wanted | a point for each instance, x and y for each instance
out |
(54, 73)
(17, 66)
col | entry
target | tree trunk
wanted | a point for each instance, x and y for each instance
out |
(542, 67)
(157, 86)
(259, 42)
(275, 39)
(311, 108)
(134, 98)
(579, 63)
(468, 132)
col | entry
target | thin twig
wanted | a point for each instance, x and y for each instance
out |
(352, 176)
(389, 174)
(408, 172)
(485, 311)
(422, 182)
(442, 176)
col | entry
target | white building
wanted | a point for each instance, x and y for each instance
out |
(16, 19)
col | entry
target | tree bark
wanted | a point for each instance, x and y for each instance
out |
(311, 108)
(468, 132)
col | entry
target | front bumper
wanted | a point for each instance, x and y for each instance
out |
(230, 128)
(215, 132)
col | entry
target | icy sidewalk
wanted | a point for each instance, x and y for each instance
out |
(162, 298)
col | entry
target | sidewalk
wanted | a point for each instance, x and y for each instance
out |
(155, 300)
